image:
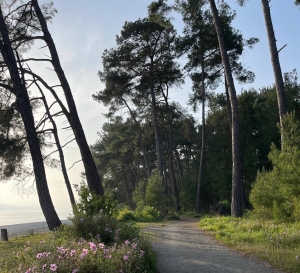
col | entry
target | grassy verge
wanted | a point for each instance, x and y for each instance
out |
(91, 244)
(279, 244)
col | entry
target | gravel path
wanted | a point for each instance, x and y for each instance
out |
(181, 247)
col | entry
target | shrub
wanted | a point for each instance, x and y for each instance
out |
(148, 214)
(125, 214)
(90, 203)
(172, 216)
(276, 194)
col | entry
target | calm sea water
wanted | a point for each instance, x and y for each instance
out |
(19, 217)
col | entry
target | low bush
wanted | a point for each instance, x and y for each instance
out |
(148, 214)
(172, 216)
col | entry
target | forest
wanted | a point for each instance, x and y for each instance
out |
(151, 153)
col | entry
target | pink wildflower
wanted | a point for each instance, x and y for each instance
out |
(142, 252)
(75, 270)
(92, 246)
(72, 253)
(127, 242)
(40, 255)
(134, 245)
(84, 253)
(53, 267)
(106, 251)
(125, 258)
(101, 245)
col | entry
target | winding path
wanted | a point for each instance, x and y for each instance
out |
(181, 247)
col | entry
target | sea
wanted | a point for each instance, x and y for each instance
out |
(17, 222)
(22, 217)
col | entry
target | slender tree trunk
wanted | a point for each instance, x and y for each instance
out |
(91, 172)
(281, 96)
(59, 148)
(155, 124)
(28, 120)
(228, 105)
(146, 161)
(236, 206)
(243, 195)
(200, 176)
(180, 170)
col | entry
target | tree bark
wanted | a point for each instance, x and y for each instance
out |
(236, 206)
(28, 120)
(200, 176)
(92, 176)
(281, 96)
(155, 124)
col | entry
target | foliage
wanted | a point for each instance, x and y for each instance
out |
(154, 195)
(274, 242)
(148, 214)
(141, 214)
(63, 251)
(90, 204)
(276, 193)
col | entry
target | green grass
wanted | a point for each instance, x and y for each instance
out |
(18, 242)
(277, 243)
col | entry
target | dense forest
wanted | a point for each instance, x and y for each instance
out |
(151, 151)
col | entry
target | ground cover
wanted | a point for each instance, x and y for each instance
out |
(277, 243)
(92, 244)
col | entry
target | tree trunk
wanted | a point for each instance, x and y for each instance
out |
(281, 96)
(228, 105)
(180, 170)
(91, 172)
(28, 120)
(59, 148)
(243, 195)
(146, 161)
(236, 206)
(155, 124)
(200, 176)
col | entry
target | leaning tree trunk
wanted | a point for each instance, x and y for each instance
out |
(59, 148)
(281, 96)
(200, 176)
(27, 117)
(236, 206)
(91, 172)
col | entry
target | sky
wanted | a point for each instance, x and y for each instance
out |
(82, 30)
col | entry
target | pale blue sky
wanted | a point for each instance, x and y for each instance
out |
(83, 29)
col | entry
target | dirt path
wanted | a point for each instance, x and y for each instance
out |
(181, 247)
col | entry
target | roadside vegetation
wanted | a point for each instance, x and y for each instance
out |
(95, 242)
(277, 243)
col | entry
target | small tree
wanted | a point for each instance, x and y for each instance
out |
(154, 195)
(276, 194)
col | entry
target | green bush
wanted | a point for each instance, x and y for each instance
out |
(148, 214)
(172, 216)
(276, 194)
(125, 214)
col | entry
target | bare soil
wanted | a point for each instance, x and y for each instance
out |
(182, 247)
